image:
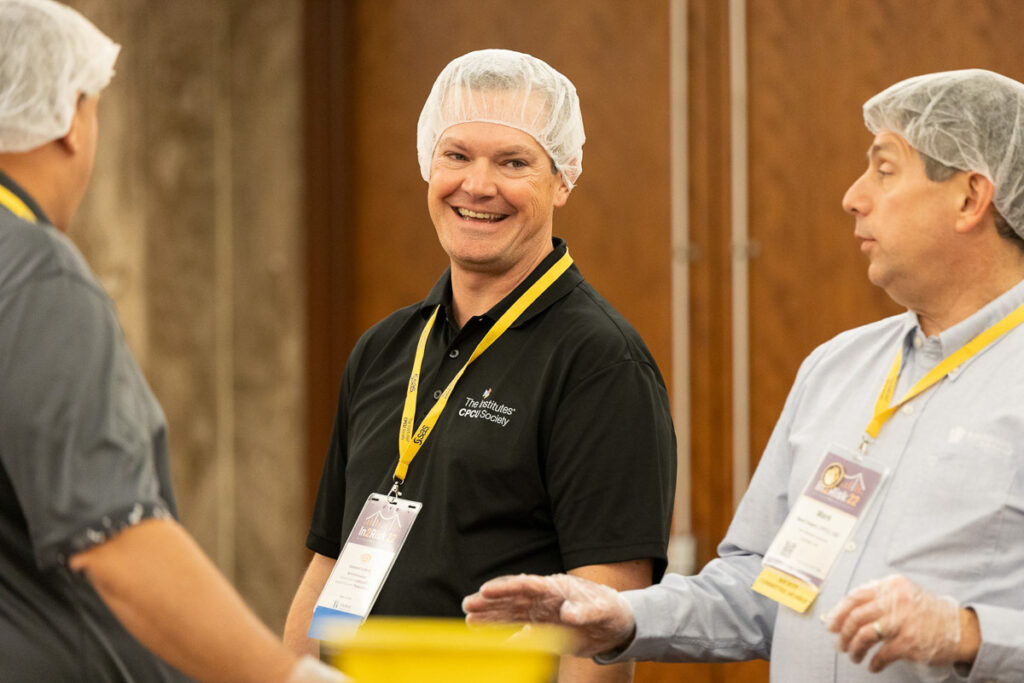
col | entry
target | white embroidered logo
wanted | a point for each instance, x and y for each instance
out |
(486, 409)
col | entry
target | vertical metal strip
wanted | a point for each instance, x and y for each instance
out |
(682, 548)
(740, 249)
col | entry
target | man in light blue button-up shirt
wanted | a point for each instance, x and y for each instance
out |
(930, 586)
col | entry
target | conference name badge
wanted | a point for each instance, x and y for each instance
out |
(816, 530)
(364, 563)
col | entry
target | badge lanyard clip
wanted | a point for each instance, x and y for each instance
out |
(396, 490)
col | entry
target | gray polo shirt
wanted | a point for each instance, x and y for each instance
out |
(82, 456)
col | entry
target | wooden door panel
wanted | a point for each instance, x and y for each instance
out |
(812, 65)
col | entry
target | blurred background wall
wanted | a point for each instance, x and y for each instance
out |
(193, 222)
(257, 205)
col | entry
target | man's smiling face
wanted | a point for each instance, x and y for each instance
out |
(491, 196)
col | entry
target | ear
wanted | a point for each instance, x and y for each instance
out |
(561, 193)
(72, 140)
(978, 192)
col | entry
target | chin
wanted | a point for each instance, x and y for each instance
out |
(877, 276)
(467, 253)
(477, 264)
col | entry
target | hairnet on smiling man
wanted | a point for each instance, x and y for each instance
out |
(41, 78)
(971, 119)
(512, 89)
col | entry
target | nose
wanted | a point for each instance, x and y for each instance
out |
(478, 180)
(856, 201)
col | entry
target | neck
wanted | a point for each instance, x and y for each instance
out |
(992, 280)
(476, 292)
(30, 170)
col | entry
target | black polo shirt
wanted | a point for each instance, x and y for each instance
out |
(555, 450)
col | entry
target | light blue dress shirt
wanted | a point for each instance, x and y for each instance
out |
(950, 515)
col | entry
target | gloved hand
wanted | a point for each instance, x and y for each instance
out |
(910, 622)
(601, 618)
(311, 670)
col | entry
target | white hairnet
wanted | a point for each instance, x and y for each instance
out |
(969, 119)
(49, 53)
(510, 88)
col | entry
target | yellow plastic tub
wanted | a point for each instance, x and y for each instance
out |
(405, 650)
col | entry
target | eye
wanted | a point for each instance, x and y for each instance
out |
(517, 163)
(455, 156)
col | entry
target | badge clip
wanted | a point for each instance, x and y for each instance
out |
(862, 449)
(396, 491)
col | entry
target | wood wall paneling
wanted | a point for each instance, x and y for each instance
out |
(616, 221)
(327, 137)
(811, 66)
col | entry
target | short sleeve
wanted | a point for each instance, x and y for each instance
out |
(611, 467)
(78, 423)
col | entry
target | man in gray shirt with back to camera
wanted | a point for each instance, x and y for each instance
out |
(886, 517)
(98, 582)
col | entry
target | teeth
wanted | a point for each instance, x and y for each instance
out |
(466, 213)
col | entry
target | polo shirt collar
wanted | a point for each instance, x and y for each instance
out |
(24, 196)
(441, 293)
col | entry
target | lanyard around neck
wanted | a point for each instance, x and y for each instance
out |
(14, 204)
(409, 443)
(883, 409)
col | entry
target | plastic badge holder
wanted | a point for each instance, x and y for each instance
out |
(407, 650)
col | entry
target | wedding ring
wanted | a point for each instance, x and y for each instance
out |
(878, 630)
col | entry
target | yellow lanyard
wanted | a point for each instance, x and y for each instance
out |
(409, 443)
(14, 204)
(883, 410)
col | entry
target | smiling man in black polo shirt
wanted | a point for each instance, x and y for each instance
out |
(529, 417)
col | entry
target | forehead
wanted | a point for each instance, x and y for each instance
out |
(488, 137)
(890, 144)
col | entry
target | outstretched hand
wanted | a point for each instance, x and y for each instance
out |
(600, 617)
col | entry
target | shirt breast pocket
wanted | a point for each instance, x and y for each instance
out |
(959, 517)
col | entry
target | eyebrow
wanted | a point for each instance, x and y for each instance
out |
(879, 148)
(513, 150)
(516, 150)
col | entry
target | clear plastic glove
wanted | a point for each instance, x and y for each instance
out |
(311, 670)
(909, 622)
(600, 617)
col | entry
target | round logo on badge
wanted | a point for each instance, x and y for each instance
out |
(832, 476)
